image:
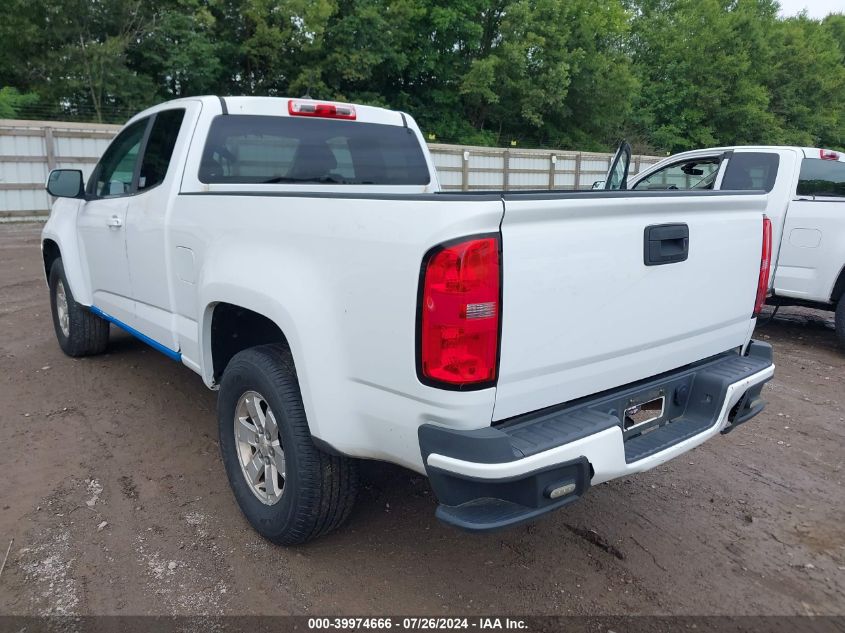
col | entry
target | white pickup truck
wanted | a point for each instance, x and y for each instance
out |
(806, 188)
(516, 348)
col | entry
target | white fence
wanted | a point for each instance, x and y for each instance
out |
(478, 168)
(30, 149)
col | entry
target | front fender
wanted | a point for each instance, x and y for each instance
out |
(61, 229)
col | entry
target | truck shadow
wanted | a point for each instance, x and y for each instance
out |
(804, 326)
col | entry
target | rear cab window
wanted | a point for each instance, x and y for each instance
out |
(821, 178)
(751, 171)
(257, 149)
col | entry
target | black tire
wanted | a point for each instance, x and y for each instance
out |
(87, 334)
(319, 489)
(840, 320)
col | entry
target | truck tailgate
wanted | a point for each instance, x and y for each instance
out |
(582, 312)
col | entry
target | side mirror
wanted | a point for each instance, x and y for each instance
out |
(65, 183)
(598, 184)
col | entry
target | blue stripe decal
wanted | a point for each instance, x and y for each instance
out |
(177, 356)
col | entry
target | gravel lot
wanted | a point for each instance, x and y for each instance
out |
(117, 502)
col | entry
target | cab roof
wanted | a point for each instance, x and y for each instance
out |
(279, 106)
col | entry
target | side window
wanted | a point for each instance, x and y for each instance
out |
(695, 173)
(159, 148)
(823, 178)
(115, 172)
(751, 171)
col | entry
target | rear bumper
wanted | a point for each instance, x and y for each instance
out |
(530, 465)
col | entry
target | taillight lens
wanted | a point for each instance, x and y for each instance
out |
(459, 313)
(765, 264)
(828, 154)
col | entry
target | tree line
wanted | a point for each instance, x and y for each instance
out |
(666, 74)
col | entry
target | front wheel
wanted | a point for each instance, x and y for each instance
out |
(289, 490)
(840, 321)
(78, 330)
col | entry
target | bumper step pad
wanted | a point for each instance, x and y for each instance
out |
(486, 515)
(478, 506)
(692, 397)
(693, 400)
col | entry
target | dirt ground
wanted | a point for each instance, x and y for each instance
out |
(116, 499)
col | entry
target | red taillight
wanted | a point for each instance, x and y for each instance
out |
(828, 154)
(765, 263)
(322, 110)
(459, 313)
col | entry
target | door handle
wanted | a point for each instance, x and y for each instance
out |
(665, 244)
(115, 222)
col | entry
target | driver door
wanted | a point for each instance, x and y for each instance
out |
(101, 221)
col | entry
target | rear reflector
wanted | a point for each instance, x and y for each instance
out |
(828, 154)
(459, 314)
(322, 110)
(765, 263)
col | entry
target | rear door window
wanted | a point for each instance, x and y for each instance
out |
(254, 149)
(159, 148)
(821, 178)
(751, 171)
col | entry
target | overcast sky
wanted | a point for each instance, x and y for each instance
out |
(815, 8)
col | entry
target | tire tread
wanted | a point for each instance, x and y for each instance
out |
(327, 484)
(89, 333)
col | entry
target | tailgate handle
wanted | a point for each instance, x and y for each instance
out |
(665, 244)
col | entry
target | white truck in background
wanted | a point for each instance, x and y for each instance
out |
(516, 348)
(806, 188)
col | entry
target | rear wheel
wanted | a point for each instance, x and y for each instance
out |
(289, 490)
(79, 332)
(840, 320)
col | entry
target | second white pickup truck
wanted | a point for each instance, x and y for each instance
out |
(516, 348)
(806, 204)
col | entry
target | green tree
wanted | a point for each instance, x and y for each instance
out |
(73, 54)
(482, 72)
(12, 101)
(180, 49)
(668, 74)
(703, 66)
(807, 82)
(277, 37)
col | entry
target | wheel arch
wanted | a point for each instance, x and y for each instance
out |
(838, 287)
(254, 319)
(50, 252)
(233, 328)
(225, 300)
